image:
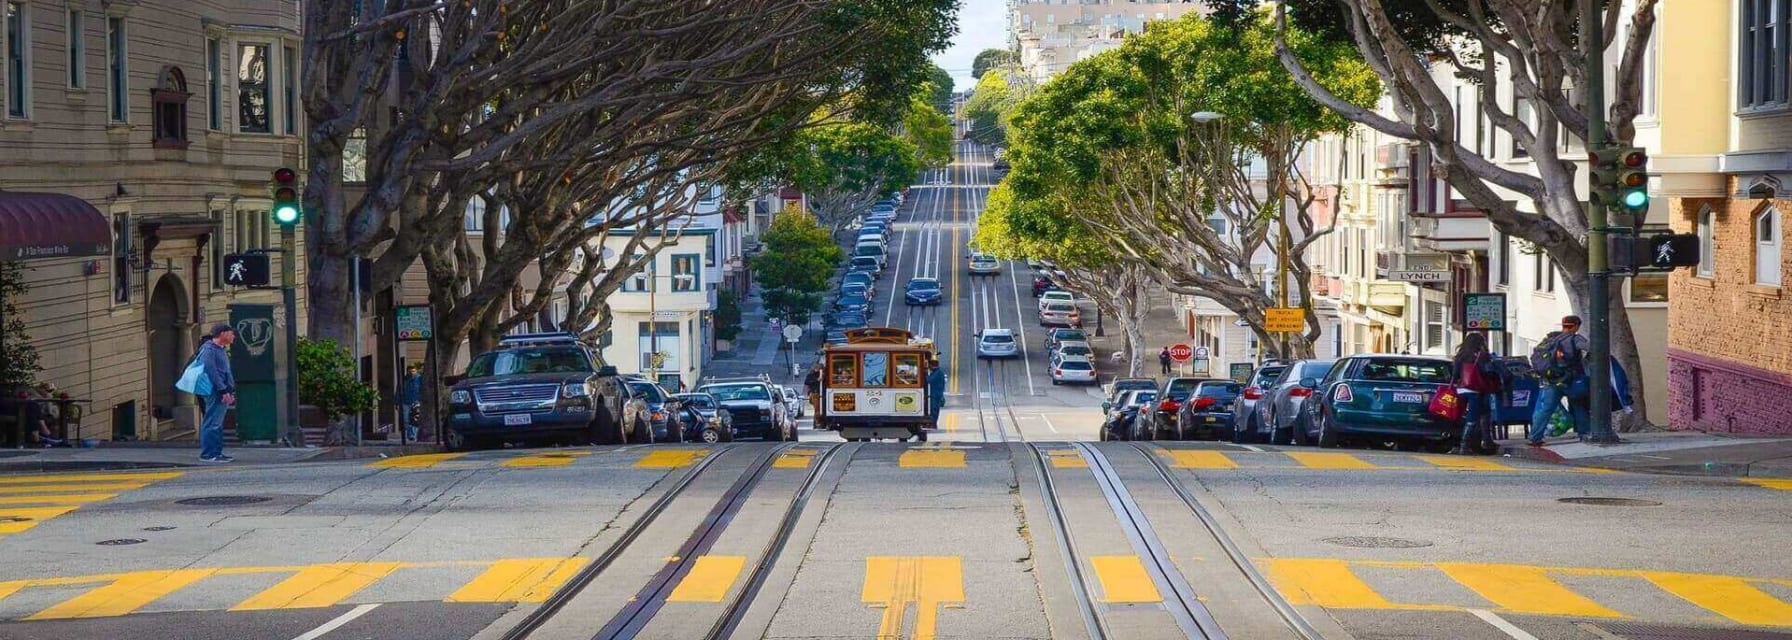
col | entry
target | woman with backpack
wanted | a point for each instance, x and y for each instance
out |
(1478, 382)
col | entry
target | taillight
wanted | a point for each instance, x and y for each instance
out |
(1057, 372)
(1300, 392)
(1253, 393)
(1342, 394)
(1203, 403)
(1168, 405)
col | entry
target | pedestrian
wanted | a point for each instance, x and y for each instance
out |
(410, 400)
(812, 387)
(1478, 383)
(214, 356)
(38, 414)
(1163, 360)
(1560, 364)
(936, 391)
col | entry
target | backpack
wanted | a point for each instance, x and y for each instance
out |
(1556, 360)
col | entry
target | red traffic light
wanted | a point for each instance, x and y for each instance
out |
(285, 175)
(1635, 158)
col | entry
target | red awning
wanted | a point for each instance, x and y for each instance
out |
(51, 225)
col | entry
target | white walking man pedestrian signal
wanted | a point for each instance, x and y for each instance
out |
(246, 270)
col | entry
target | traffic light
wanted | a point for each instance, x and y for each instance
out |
(1632, 181)
(286, 197)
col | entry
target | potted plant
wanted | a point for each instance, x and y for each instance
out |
(327, 385)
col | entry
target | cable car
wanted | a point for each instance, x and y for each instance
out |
(875, 385)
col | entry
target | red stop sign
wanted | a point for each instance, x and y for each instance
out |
(1181, 352)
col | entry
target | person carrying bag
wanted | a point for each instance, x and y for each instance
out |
(1478, 383)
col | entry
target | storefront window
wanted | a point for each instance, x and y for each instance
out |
(1649, 287)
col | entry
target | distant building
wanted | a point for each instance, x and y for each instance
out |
(1050, 35)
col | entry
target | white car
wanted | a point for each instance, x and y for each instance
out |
(983, 264)
(997, 343)
(1060, 314)
(1074, 371)
(1056, 296)
(1068, 350)
(793, 402)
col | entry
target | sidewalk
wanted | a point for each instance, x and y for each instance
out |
(150, 455)
(1161, 329)
(1668, 452)
(759, 350)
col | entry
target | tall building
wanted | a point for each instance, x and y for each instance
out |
(1050, 35)
(137, 144)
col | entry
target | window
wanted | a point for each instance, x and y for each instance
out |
(1762, 48)
(77, 50)
(169, 100)
(1706, 260)
(685, 276)
(18, 67)
(1539, 272)
(843, 370)
(116, 69)
(289, 98)
(1503, 276)
(121, 258)
(1434, 326)
(658, 345)
(253, 100)
(1649, 287)
(214, 84)
(1768, 236)
(641, 281)
(354, 157)
(877, 369)
(253, 230)
(1521, 109)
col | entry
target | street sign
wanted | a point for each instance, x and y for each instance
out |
(246, 270)
(1241, 372)
(414, 323)
(1202, 352)
(1181, 352)
(792, 333)
(1484, 311)
(1418, 276)
(1285, 320)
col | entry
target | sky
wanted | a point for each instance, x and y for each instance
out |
(982, 24)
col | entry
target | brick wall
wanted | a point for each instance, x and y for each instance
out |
(1730, 340)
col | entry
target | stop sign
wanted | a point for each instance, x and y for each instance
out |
(1181, 352)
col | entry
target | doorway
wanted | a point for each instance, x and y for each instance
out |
(166, 317)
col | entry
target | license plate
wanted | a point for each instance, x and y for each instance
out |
(1409, 397)
(517, 418)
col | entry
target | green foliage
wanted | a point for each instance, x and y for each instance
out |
(853, 157)
(1413, 20)
(990, 106)
(794, 268)
(727, 316)
(938, 89)
(988, 59)
(931, 132)
(327, 380)
(18, 359)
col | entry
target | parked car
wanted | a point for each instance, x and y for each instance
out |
(1056, 296)
(1055, 336)
(793, 402)
(1113, 390)
(1043, 283)
(542, 387)
(848, 319)
(1207, 414)
(852, 302)
(836, 336)
(1072, 371)
(1060, 314)
(754, 405)
(871, 236)
(983, 264)
(1159, 423)
(997, 343)
(1244, 408)
(703, 419)
(1380, 396)
(1072, 349)
(863, 278)
(873, 250)
(1122, 410)
(922, 291)
(659, 406)
(1278, 414)
(854, 290)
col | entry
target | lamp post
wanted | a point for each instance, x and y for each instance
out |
(1282, 248)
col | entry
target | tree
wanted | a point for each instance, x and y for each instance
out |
(988, 59)
(1532, 48)
(328, 383)
(799, 257)
(1109, 150)
(18, 359)
(990, 106)
(939, 88)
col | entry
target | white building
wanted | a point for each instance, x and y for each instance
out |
(1050, 35)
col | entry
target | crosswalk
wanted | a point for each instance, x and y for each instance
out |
(28, 500)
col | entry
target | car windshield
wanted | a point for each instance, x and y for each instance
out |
(998, 338)
(923, 285)
(527, 361)
(853, 289)
(1426, 371)
(1070, 336)
(1076, 365)
(1267, 376)
(649, 391)
(858, 278)
(697, 400)
(1183, 386)
(737, 392)
(864, 261)
(868, 250)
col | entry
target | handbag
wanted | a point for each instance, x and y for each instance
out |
(194, 380)
(1447, 403)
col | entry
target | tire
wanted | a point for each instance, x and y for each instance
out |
(642, 433)
(605, 434)
(1145, 433)
(1297, 433)
(1245, 434)
(1328, 437)
(919, 434)
(1055, 382)
(1102, 433)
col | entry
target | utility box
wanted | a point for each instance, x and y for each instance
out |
(256, 360)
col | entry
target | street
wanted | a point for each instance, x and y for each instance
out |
(1011, 522)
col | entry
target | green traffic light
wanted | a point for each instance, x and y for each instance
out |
(287, 214)
(1637, 199)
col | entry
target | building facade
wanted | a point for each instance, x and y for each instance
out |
(1049, 35)
(160, 122)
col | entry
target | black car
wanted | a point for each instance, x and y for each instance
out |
(703, 419)
(1119, 387)
(659, 408)
(1159, 423)
(1116, 424)
(1379, 397)
(754, 405)
(922, 291)
(1207, 414)
(850, 319)
(543, 387)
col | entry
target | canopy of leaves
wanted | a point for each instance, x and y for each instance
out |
(799, 257)
(931, 132)
(1075, 246)
(989, 59)
(989, 108)
(854, 157)
(1416, 22)
(327, 380)
(939, 89)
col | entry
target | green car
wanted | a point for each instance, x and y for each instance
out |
(1379, 397)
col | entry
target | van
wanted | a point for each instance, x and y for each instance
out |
(874, 250)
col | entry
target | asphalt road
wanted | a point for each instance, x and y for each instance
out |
(1010, 523)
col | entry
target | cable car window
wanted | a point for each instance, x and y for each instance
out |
(908, 369)
(877, 369)
(843, 370)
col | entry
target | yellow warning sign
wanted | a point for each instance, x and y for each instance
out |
(1285, 320)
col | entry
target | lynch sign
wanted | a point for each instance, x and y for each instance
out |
(1419, 276)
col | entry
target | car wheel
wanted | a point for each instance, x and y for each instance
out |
(711, 435)
(1242, 431)
(643, 433)
(1147, 432)
(1297, 433)
(1055, 382)
(609, 434)
(1328, 435)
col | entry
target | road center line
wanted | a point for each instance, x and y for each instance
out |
(1500, 623)
(340, 620)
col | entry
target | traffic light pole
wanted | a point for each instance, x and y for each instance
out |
(1599, 411)
(289, 298)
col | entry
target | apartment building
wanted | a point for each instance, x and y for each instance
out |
(137, 143)
(1050, 35)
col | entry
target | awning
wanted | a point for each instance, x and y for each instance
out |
(51, 225)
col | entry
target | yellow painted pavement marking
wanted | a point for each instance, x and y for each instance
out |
(795, 459)
(1124, 580)
(60, 488)
(319, 586)
(1783, 484)
(1523, 589)
(1466, 463)
(125, 595)
(1329, 583)
(1314, 460)
(519, 580)
(138, 478)
(670, 459)
(67, 491)
(895, 583)
(949, 422)
(1730, 597)
(1199, 459)
(420, 461)
(931, 459)
(77, 498)
(1066, 459)
(709, 579)
(550, 459)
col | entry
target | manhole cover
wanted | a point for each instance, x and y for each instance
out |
(116, 542)
(1611, 502)
(158, 528)
(221, 501)
(1375, 542)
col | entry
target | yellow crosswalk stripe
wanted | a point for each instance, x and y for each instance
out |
(551, 459)
(1066, 459)
(1199, 459)
(1465, 463)
(931, 459)
(319, 586)
(1318, 460)
(1329, 583)
(60, 488)
(670, 459)
(67, 479)
(795, 459)
(419, 461)
(1730, 597)
(925, 583)
(1124, 580)
(1783, 484)
(124, 595)
(709, 579)
(76, 498)
(1523, 589)
(519, 580)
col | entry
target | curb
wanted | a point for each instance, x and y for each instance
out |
(1529, 452)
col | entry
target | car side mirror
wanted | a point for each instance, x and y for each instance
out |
(1310, 383)
(1105, 405)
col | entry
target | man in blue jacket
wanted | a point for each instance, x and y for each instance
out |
(214, 356)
